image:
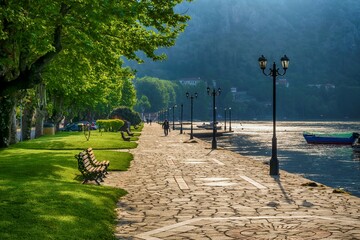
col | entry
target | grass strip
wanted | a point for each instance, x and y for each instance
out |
(41, 195)
(77, 140)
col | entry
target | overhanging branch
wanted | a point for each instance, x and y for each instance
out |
(29, 77)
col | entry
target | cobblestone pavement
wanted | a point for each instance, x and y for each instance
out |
(181, 189)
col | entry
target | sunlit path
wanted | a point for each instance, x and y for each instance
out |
(181, 190)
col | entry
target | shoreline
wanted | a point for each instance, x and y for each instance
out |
(181, 189)
(263, 153)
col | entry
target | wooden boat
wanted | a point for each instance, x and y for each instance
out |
(331, 138)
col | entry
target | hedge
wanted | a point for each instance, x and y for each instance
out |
(110, 125)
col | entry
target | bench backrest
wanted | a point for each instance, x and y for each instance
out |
(84, 163)
(91, 154)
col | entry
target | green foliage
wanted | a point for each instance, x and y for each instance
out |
(160, 93)
(126, 114)
(143, 104)
(202, 104)
(41, 189)
(110, 125)
(76, 140)
(128, 96)
(78, 53)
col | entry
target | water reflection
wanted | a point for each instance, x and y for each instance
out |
(332, 165)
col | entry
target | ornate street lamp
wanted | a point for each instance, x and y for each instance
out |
(173, 108)
(274, 72)
(181, 118)
(225, 119)
(214, 93)
(191, 97)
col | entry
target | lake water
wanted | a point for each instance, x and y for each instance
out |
(332, 165)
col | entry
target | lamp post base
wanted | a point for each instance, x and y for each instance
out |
(274, 166)
(213, 145)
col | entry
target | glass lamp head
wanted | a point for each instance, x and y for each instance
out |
(285, 62)
(262, 62)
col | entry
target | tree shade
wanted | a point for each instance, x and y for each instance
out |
(71, 43)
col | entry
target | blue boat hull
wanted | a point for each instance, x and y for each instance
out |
(318, 139)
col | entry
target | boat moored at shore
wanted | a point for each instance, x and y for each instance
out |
(345, 138)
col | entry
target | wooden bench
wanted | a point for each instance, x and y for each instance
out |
(95, 162)
(125, 138)
(88, 170)
(129, 133)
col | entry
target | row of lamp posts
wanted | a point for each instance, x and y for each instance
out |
(227, 109)
(273, 72)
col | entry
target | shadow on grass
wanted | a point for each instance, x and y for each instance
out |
(41, 197)
(36, 164)
(57, 210)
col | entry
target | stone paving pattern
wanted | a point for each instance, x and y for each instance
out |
(181, 189)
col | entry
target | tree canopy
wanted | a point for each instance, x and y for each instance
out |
(76, 48)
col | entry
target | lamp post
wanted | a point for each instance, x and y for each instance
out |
(225, 119)
(214, 93)
(274, 72)
(173, 108)
(229, 119)
(181, 118)
(188, 95)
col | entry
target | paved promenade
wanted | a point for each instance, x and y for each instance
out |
(180, 189)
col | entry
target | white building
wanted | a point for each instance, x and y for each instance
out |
(190, 81)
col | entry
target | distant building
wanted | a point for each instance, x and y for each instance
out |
(190, 81)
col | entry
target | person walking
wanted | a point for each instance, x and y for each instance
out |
(166, 127)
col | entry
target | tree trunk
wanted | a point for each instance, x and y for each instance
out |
(39, 122)
(28, 113)
(7, 104)
(58, 114)
(13, 127)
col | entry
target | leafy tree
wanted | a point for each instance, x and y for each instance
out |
(34, 33)
(127, 114)
(160, 93)
(143, 104)
(128, 96)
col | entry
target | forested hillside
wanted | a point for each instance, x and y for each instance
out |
(225, 38)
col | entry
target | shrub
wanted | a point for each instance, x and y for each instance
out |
(110, 125)
(126, 114)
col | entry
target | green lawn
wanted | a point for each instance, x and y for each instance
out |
(77, 140)
(41, 195)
